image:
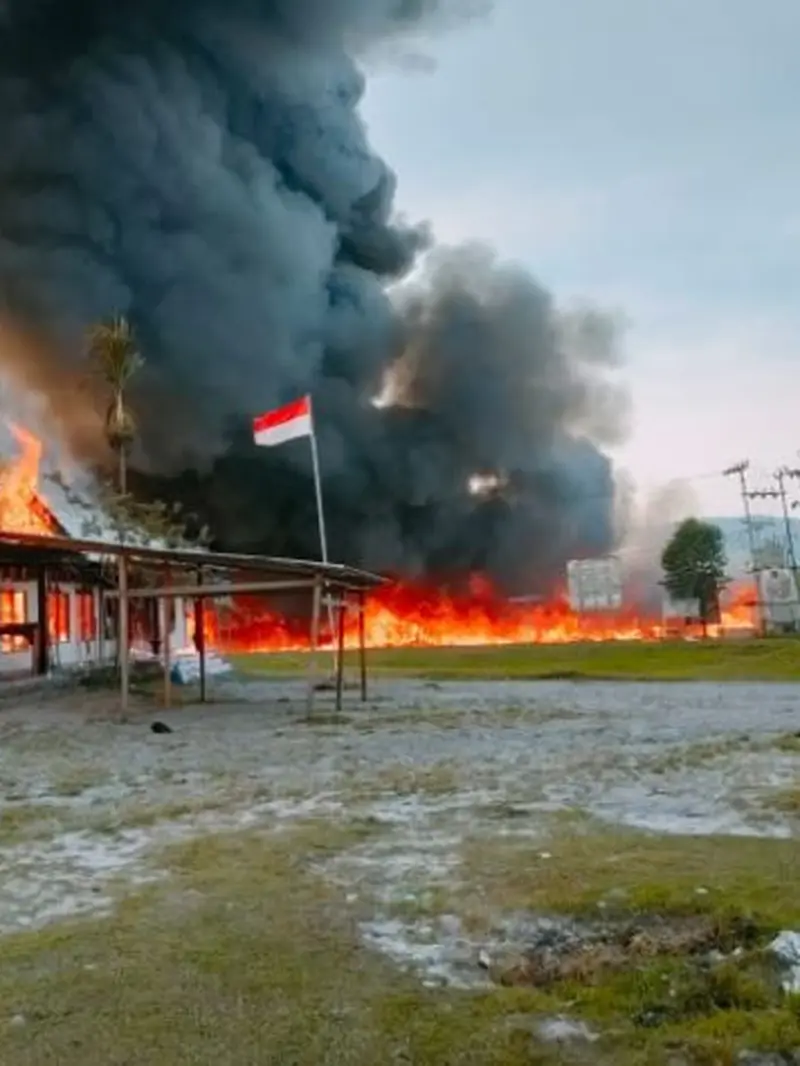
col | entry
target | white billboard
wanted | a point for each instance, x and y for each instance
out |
(777, 586)
(685, 610)
(778, 595)
(594, 584)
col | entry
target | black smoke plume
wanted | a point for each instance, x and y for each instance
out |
(201, 167)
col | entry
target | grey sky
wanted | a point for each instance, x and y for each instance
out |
(643, 154)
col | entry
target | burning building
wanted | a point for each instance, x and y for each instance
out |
(59, 597)
(52, 606)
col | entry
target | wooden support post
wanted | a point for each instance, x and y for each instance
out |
(362, 646)
(123, 635)
(42, 652)
(154, 622)
(316, 603)
(200, 635)
(167, 643)
(100, 624)
(340, 652)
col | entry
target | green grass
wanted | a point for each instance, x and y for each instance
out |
(246, 958)
(737, 892)
(774, 659)
(588, 869)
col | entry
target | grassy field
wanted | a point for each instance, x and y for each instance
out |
(250, 949)
(245, 958)
(774, 659)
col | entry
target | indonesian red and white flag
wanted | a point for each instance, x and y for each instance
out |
(284, 423)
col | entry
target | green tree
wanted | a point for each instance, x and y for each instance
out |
(694, 564)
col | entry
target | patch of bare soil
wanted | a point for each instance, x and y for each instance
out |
(569, 951)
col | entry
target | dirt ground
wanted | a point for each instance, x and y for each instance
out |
(87, 802)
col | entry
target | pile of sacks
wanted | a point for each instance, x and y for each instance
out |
(186, 666)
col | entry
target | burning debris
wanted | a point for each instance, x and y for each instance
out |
(202, 167)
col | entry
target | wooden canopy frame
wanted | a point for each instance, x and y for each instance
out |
(211, 573)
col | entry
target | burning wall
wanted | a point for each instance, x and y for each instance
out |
(202, 166)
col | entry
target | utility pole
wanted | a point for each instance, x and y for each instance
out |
(793, 473)
(740, 470)
(763, 494)
(780, 494)
(780, 477)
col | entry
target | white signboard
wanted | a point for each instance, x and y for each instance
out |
(594, 584)
(682, 609)
(777, 586)
(778, 595)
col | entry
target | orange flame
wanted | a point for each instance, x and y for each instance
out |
(406, 615)
(21, 509)
(397, 615)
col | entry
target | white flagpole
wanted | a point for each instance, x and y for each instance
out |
(323, 540)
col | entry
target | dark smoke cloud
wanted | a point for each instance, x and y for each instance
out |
(202, 167)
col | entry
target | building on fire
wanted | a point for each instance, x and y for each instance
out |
(59, 596)
(53, 608)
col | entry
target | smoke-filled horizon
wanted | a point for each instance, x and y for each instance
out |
(202, 168)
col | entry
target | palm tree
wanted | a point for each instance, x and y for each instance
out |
(115, 359)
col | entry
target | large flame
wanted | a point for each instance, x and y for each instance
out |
(407, 615)
(21, 509)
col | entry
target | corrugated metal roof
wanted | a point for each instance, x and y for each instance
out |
(89, 531)
(81, 517)
(275, 566)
